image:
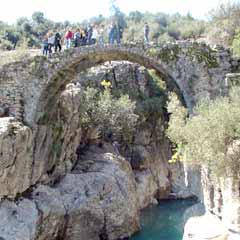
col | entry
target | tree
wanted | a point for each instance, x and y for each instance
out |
(38, 17)
(161, 19)
(224, 23)
(66, 23)
(136, 16)
(117, 15)
(225, 11)
(21, 21)
(211, 136)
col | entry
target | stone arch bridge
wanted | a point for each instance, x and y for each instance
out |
(194, 69)
(35, 151)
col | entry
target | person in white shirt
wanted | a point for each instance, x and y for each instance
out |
(101, 36)
(51, 41)
(94, 35)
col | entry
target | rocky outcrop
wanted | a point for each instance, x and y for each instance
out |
(185, 181)
(97, 200)
(221, 197)
(107, 200)
(56, 142)
(204, 228)
(15, 157)
(19, 220)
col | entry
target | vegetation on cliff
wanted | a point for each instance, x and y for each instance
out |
(101, 110)
(211, 135)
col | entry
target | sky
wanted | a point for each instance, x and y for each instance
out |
(78, 10)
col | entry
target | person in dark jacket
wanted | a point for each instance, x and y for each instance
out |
(77, 38)
(89, 34)
(45, 46)
(146, 33)
(113, 33)
(57, 42)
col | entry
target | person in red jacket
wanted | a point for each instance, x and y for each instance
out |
(68, 38)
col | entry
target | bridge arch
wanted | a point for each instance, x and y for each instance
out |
(77, 60)
(194, 70)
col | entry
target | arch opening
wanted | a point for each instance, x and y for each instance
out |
(67, 73)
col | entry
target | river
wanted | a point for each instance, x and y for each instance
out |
(163, 221)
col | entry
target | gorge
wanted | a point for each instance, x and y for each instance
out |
(83, 142)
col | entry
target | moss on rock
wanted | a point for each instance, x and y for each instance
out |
(205, 55)
(165, 54)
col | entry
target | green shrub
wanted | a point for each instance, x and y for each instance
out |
(211, 136)
(108, 114)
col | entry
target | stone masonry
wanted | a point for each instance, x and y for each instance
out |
(194, 70)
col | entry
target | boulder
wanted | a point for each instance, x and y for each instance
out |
(97, 200)
(100, 195)
(16, 162)
(18, 221)
(206, 227)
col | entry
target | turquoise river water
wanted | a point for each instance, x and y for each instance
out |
(163, 221)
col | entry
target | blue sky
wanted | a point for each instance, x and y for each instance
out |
(78, 10)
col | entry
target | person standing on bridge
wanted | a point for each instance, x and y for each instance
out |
(68, 38)
(77, 38)
(101, 36)
(119, 34)
(89, 34)
(83, 37)
(94, 35)
(113, 33)
(45, 46)
(146, 33)
(57, 42)
(51, 41)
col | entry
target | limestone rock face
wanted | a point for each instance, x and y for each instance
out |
(222, 198)
(18, 221)
(51, 213)
(146, 187)
(55, 150)
(97, 200)
(231, 205)
(100, 193)
(185, 181)
(15, 157)
(50, 148)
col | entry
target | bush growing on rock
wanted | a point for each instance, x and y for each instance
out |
(108, 114)
(211, 136)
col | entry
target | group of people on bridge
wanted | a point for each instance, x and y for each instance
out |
(91, 35)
